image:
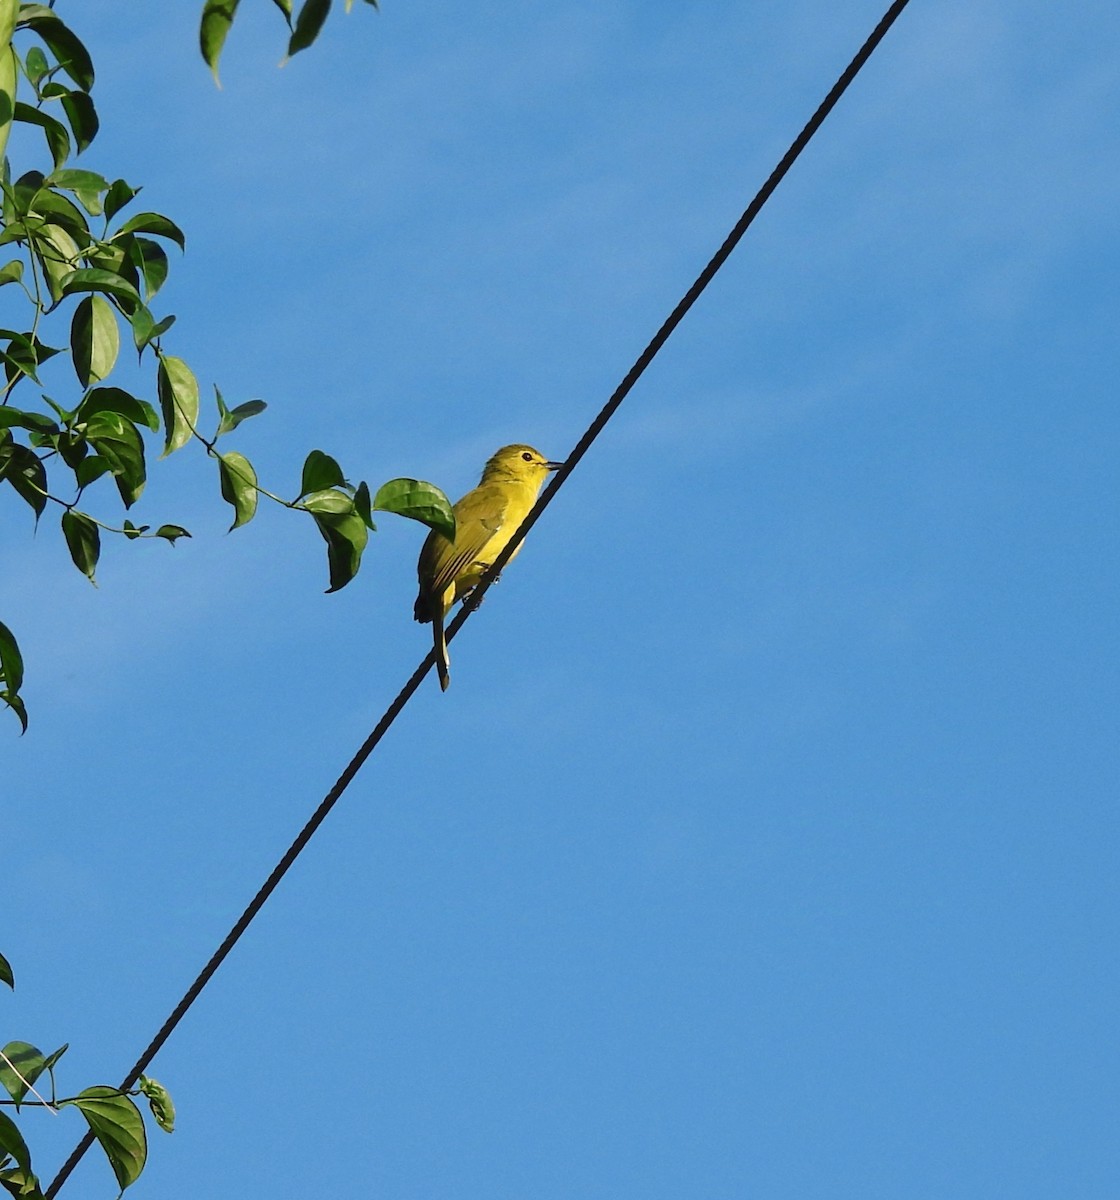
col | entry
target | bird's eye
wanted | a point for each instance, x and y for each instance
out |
(527, 456)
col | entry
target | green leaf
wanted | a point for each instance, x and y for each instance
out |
(320, 471)
(149, 222)
(111, 399)
(58, 140)
(9, 78)
(239, 486)
(11, 1142)
(86, 185)
(171, 532)
(150, 259)
(19, 357)
(82, 117)
(178, 397)
(159, 1100)
(94, 279)
(83, 539)
(11, 272)
(146, 329)
(57, 253)
(229, 419)
(217, 17)
(95, 340)
(419, 501)
(343, 530)
(117, 197)
(72, 56)
(90, 469)
(17, 706)
(35, 64)
(11, 671)
(117, 1124)
(24, 471)
(362, 505)
(60, 210)
(308, 24)
(20, 1183)
(285, 6)
(132, 532)
(6, 975)
(21, 1064)
(117, 441)
(14, 418)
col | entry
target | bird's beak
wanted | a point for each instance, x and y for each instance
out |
(553, 466)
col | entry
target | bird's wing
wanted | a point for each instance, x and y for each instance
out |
(478, 517)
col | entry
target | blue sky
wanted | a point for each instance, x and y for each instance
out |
(765, 844)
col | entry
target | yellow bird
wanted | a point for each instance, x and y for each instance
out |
(485, 520)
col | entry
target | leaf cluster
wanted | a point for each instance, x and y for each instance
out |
(88, 275)
(112, 1116)
(304, 26)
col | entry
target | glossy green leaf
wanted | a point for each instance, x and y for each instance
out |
(90, 469)
(19, 356)
(419, 501)
(83, 540)
(363, 505)
(21, 1064)
(11, 272)
(82, 117)
(58, 254)
(9, 76)
(217, 17)
(16, 704)
(6, 975)
(149, 222)
(14, 418)
(93, 279)
(312, 14)
(22, 468)
(320, 471)
(17, 196)
(12, 1143)
(146, 329)
(62, 211)
(114, 400)
(11, 671)
(117, 1124)
(72, 56)
(35, 64)
(95, 340)
(171, 532)
(230, 418)
(178, 397)
(118, 195)
(20, 1183)
(342, 529)
(239, 486)
(58, 140)
(150, 259)
(285, 6)
(88, 186)
(160, 1102)
(118, 442)
(110, 399)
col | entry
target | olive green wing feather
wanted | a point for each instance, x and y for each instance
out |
(478, 517)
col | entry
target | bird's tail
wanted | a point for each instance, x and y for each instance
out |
(443, 663)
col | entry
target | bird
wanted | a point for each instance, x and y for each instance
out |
(485, 520)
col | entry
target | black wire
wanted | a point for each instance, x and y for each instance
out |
(594, 429)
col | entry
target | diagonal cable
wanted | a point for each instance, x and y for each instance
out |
(594, 429)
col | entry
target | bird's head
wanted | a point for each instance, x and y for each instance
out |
(520, 463)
